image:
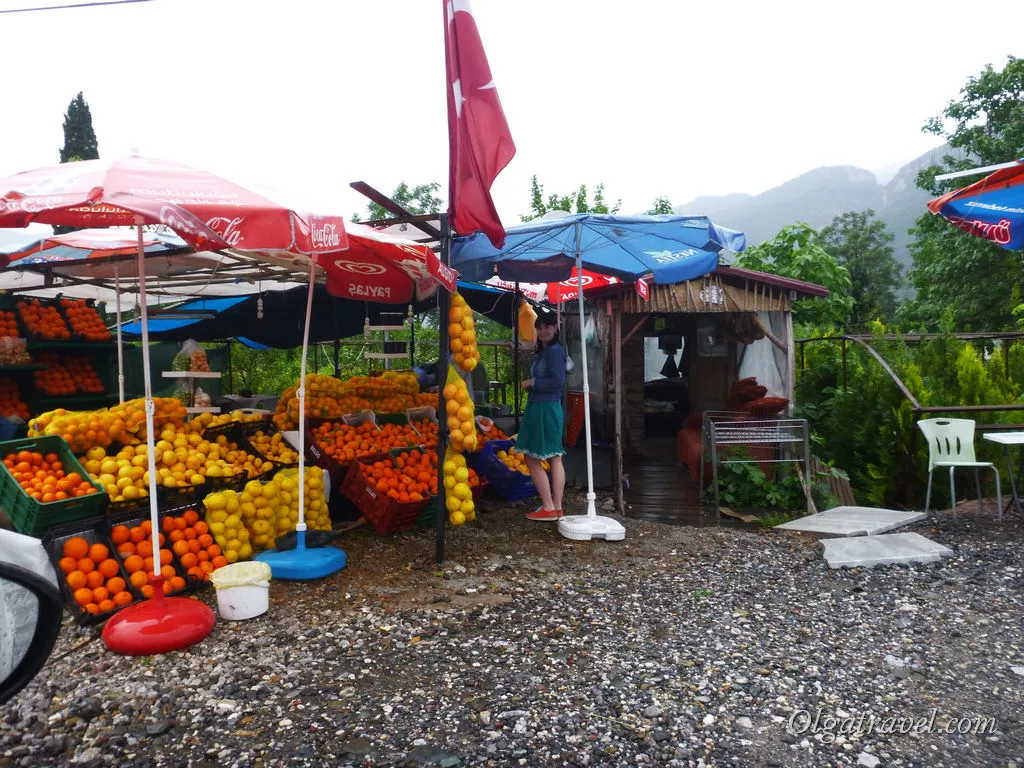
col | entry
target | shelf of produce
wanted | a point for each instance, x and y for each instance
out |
(191, 374)
(386, 328)
(42, 404)
(71, 345)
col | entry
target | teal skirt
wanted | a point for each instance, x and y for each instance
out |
(540, 431)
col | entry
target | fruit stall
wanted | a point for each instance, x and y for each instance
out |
(227, 484)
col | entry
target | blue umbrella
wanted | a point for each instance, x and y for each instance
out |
(992, 209)
(671, 249)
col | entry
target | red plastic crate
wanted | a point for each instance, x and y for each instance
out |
(385, 514)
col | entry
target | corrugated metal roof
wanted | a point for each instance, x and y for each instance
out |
(808, 289)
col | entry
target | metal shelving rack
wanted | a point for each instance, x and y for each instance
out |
(391, 350)
(786, 441)
(192, 376)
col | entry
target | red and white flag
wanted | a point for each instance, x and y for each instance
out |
(642, 289)
(479, 142)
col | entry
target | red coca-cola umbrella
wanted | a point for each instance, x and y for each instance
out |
(209, 213)
(383, 268)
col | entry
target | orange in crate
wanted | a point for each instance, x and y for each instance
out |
(85, 321)
(43, 320)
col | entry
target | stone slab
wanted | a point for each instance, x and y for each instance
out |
(854, 521)
(887, 549)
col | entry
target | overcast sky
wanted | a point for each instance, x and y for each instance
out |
(669, 97)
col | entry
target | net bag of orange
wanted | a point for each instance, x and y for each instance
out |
(462, 334)
(461, 413)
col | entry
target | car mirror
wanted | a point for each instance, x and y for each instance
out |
(30, 615)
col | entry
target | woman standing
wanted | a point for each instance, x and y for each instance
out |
(540, 433)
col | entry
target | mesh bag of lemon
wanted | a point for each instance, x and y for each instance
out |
(461, 413)
(260, 504)
(224, 516)
(317, 515)
(458, 493)
(462, 334)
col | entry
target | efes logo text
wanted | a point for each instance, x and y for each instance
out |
(667, 257)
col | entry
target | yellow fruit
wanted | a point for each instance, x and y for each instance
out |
(456, 518)
(215, 501)
(462, 492)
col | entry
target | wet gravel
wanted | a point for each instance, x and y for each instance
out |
(680, 646)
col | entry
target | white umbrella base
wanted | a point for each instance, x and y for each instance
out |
(587, 527)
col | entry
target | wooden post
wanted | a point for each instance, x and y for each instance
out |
(790, 361)
(617, 375)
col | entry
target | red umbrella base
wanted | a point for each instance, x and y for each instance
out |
(158, 626)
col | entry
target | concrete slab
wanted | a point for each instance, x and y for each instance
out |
(887, 549)
(854, 521)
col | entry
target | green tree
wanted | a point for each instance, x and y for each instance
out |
(981, 283)
(797, 252)
(861, 244)
(417, 200)
(79, 140)
(575, 202)
(661, 206)
(79, 137)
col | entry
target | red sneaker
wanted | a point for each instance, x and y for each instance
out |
(544, 515)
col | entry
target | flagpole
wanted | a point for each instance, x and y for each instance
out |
(515, 354)
(443, 304)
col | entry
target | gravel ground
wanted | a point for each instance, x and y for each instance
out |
(679, 647)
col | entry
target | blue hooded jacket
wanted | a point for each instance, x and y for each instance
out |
(548, 373)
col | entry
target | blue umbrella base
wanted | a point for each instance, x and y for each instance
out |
(303, 564)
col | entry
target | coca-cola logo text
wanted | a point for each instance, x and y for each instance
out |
(325, 236)
(230, 230)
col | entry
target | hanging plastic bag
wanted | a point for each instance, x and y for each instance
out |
(570, 366)
(197, 362)
(590, 330)
(527, 317)
(202, 400)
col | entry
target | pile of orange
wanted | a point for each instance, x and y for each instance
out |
(42, 477)
(427, 398)
(428, 429)
(85, 321)
(193, 543)
(494, 433)
(11, 403)
(54, 380)
(43, 320)
(346, 443)
(409, 477)
(83, 373)
(8, 324)
(135, 547)
(198, 362)
(93, 576)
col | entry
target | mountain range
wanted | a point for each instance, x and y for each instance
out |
(818, 196)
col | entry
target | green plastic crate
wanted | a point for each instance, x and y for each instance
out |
(33, 517)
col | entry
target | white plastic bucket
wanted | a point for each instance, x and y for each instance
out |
(243, 590)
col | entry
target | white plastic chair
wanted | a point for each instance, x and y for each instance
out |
(951, 444)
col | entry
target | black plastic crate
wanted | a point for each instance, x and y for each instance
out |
(95, 531)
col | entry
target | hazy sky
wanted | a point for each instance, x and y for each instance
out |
(651, 97)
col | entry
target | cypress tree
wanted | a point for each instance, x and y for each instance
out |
(79, 137)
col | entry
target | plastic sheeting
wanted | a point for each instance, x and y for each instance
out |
(19, 612)
(763, 359)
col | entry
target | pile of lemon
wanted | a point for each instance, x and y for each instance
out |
(223, 515)
(461, 415)
(459, 495)
(183, 458)
(274, 447)
(462, 334)
(517, 461)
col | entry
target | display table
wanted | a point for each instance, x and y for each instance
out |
(1006, 439)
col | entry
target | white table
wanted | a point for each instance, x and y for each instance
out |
(1006, 439)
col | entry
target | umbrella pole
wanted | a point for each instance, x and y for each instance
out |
(300, 528)
(591, 496)
(120, 349)
(443, 305)
(154, 516)
(515, 354)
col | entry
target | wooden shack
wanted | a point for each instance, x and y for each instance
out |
(656, 362)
